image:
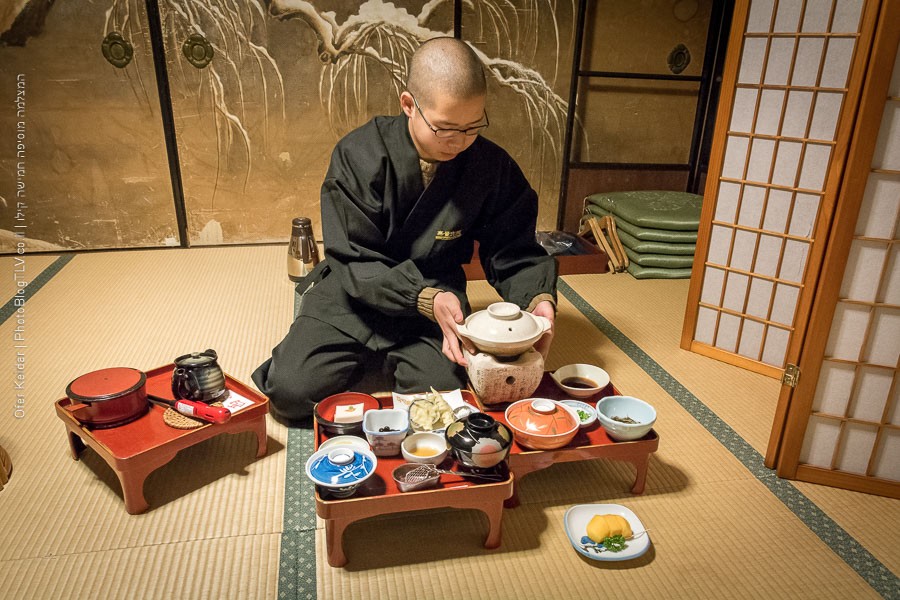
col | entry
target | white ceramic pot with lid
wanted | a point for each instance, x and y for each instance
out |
(503, 329)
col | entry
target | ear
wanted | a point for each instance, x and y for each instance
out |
(407, 105)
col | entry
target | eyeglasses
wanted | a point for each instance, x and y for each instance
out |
(448, 132)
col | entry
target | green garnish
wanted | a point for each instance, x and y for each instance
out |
(583, 415)
(614, 543)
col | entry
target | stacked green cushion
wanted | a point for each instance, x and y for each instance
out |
(658, 229)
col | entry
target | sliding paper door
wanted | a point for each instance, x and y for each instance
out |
(789, 98)
(843, 419)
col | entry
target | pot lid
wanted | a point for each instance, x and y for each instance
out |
(197, 359)
(105, 384)
(540, 416)
(341, 465)
(503, 322)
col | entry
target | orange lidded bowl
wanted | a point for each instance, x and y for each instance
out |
(541, 424)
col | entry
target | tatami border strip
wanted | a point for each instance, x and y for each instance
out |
(297, 564)
(31, 288)
(841, 543)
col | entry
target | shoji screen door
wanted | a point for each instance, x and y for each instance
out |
(790, 92)
(842, 422)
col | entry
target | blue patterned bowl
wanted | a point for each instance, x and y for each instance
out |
(341, 470)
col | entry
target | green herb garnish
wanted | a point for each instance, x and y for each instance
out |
(583, 415)
(614, 543)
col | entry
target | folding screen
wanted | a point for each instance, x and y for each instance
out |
(789, 96)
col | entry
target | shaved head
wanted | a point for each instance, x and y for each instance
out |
(445, 65)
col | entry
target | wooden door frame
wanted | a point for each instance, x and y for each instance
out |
(795, 404)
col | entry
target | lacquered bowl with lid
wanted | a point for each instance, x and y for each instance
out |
(541, 423)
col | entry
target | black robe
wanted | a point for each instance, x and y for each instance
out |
(386, 238)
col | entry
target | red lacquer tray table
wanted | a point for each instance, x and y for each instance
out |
(589, 443)
(136, 449)
(379, 495)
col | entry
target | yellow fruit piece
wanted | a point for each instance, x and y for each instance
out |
(604, 526)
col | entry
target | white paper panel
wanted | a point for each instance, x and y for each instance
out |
(796, 115)
(760, 298)
(793, 263)
(890, 286)
(751, 339)
(761, 152)
(856, 449)
(781, 53)
(726, 339)
(884, 339)
(744, 108)
(815, 19)
(803, 219)
(775, 346)
(788, 17)
(887, 150)
(726, 201)
(887, 461)
(825, 116)
(777, 209)
(894, 409)
(735, 157)
(786, 163)
(742, 252)
(767, 255)
(712, 286)
(837, 62)
(752, 206)
(880, 207)
(848, 328)
(872, 393)
(785, 304)
(819, 442)
(752, 60)
(769, 117)
(719, 244)
(894, 88)
(735, 292)
(846, 16)
(706, 326)
(760, 17)
(833, 388)
(815, 166)
(809, 57)
(862, 274)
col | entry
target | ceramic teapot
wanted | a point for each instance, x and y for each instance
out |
(198, 376)
(503, 329)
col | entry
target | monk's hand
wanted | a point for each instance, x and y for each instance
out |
(448, 313)
(545, 309)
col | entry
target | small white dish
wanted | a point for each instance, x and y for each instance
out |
(580, 380)
(425, 447)
(578, 517)
(584, 412)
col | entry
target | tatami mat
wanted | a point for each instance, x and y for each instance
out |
(214, 500)
(219, 526)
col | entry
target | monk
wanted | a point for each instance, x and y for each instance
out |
(404, 200)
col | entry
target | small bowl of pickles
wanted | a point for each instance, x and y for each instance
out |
(584, 412)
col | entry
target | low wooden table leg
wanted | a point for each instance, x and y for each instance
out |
(495, 521)
(334, 541)
(640, 479)
(262, 440)
(132, 480)
(76, 445)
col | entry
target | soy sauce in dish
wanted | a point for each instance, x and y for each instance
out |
(582, 383)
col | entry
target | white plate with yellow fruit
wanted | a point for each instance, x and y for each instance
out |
(606, 531)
